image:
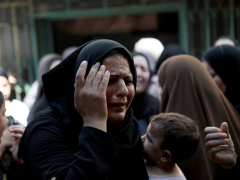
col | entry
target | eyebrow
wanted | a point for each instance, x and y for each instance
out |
(113, 75)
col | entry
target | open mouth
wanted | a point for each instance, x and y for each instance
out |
(117, 105)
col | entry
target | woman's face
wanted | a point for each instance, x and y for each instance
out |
(120, 90)
(54, 63)
(224, 41)
(3, 119)
(215, 77)
(143, 73)
(5, 87)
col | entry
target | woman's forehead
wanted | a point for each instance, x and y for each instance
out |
(117, 63)
(140, 60)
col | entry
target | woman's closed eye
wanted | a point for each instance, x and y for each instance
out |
(111, 80)
(143, 69)
(148, 138)
(128, 81)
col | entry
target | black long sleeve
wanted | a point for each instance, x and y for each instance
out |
(50, 157)
(233, 174)
(12, 172)
(16, 171)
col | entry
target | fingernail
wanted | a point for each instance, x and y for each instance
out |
(102, 66)
(97, 64)
(107, 72)
(84, 62)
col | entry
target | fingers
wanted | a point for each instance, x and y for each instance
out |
(208, 130)
(79, 79)
(16, 136)
(91, 75)
(215, 136)
(216, 143)
(98, 78)
(18, 129)
(104, 82)
(93, 79)
(224, 128)
(217, 149)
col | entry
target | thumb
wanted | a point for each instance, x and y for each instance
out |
(224, 128)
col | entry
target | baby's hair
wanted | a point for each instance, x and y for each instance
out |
(1, 99)
(180, 135)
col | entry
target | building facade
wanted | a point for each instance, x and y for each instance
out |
(30, 29)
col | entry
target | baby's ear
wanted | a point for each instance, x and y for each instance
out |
(166, 156)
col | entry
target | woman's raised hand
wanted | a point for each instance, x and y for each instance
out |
(219, 146)
(90, 95)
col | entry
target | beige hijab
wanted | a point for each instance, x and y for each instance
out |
(188, 89)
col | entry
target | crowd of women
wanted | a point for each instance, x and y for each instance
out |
(87, 111)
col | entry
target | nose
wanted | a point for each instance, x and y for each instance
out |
(7, 120)
(138, 70)
(143, 138)
(122, 88)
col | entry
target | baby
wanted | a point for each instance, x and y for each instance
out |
(171, 138)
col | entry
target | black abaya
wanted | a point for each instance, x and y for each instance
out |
(55, 143)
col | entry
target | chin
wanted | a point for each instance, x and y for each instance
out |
(116, 118)
(139, 91)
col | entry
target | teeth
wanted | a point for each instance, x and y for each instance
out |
(115, 105)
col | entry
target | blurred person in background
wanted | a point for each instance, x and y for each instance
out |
(223, 64)
(16, 110)
(226, 40)
(68, 51)
(169, 51)
(31, 95)
(10, 139)
(46, 63)
(145, 105)
(188, 89)
(151, 47)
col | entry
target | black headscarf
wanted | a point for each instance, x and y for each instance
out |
(40, 101)
(59, 88)
(169, 51)
(235, 41)
(144, 105)
(43, 67)
(3, 73)
(225, 60)
(1, 99)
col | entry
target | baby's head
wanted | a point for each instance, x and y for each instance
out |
(170, 138)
